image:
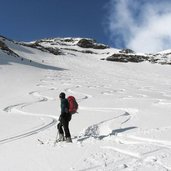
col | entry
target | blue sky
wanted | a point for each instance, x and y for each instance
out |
(34, 19)
(141, 25)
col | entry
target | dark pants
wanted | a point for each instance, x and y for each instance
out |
(63, 126)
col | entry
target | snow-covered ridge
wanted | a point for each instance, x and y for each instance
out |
(4, 46)
(59, 46)
(68, 41)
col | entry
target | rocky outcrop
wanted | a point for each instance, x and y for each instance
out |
(3, 45)
(120, 57)
(53, 43)
(90, 43)
(37, 45)
(126, 51)
(5, 49)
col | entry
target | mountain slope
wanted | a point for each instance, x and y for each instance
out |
(124, 109)
(57, 46)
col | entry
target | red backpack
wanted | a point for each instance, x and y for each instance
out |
(73, 105)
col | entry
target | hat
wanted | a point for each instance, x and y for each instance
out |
(62, 95)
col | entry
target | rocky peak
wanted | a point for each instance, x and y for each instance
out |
(64, 46)
(90, 43)
(5, 48)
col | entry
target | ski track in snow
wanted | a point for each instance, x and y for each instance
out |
(98, 132)
(140, 158)
(95, 133)
(18, 109)
(137, 158)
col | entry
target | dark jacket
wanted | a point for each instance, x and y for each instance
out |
(64, 107)
(65, 115)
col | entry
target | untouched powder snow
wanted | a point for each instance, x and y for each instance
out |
(124, 112)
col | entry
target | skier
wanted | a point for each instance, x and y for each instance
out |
(65, 117)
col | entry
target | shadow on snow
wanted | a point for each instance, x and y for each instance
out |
(9, 60)
(101, 137)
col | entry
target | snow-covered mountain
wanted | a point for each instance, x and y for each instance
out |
(124, 107)
(58, 46)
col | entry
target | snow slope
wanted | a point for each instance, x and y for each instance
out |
(124, 111)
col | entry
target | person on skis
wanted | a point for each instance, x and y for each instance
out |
(64, 119)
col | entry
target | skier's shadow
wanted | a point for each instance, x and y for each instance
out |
(114, 132)
(117, 131)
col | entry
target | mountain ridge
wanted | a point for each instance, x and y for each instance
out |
(58, 46)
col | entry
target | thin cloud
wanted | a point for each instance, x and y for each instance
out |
(142, 26)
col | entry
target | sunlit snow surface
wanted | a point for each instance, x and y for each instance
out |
(124, 119)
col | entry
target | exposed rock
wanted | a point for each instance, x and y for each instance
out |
(53, 50)
(121, 57)
(5, 48)
(126, 51)
(2, 45)
(81, 51)
(90, 43)
(118, 57)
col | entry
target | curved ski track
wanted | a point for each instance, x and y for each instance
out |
(17, 109)
(103, 159)
(94, 131)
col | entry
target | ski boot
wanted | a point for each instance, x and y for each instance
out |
(61, 138)
(68, 140)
